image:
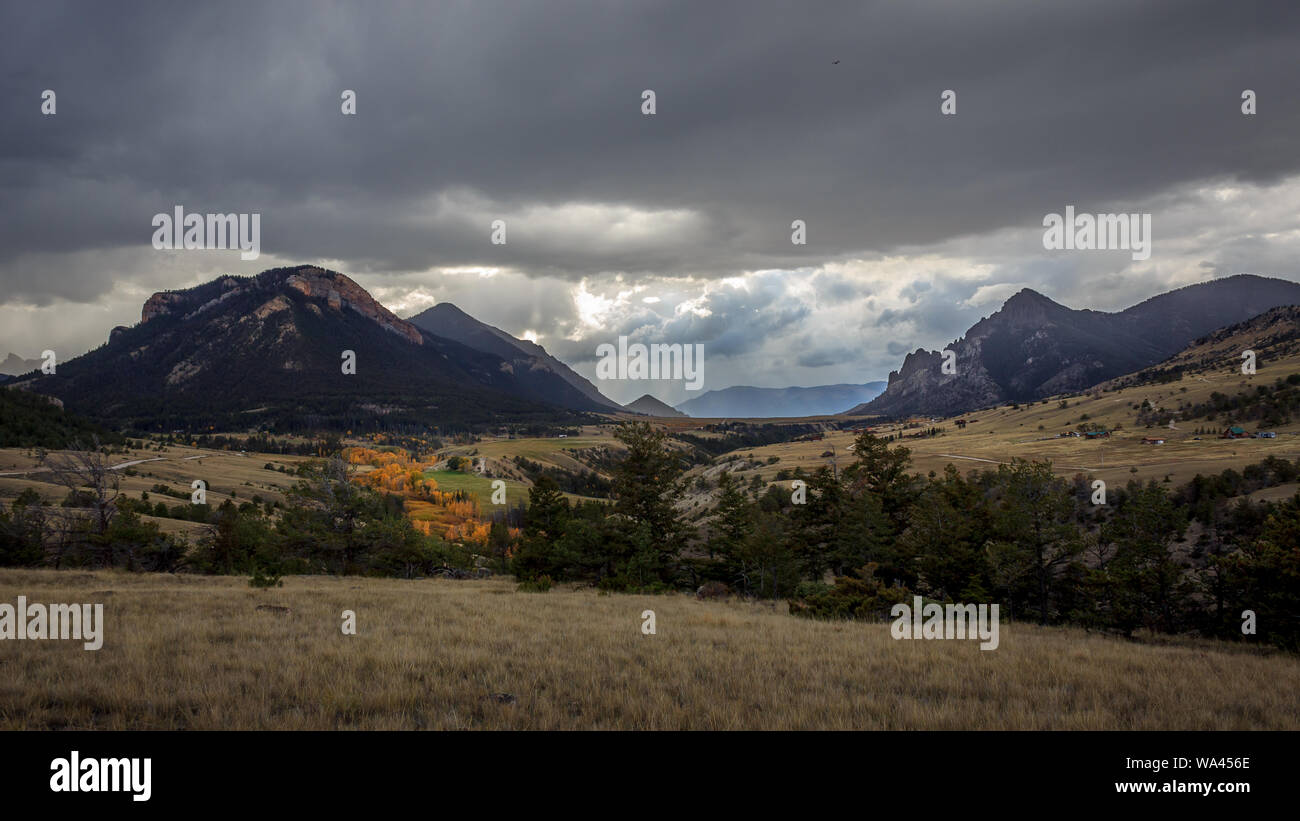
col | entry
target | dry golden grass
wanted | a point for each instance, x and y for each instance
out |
(192, 652)
(229, 475)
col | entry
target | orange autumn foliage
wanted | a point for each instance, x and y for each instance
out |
(452, 516)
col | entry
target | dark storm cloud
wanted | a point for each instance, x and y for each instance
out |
(467, 112)
(917, 223)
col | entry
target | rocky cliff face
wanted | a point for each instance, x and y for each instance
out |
(340, 292)
(336, 291)
(161, 303)
(920, 386)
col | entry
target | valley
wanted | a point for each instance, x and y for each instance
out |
(366, 498)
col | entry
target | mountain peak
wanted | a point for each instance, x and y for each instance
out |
(650, 406)
(1027, 294)
(1029, 298)
(1024, 306)
(529, 359)
(445, 309)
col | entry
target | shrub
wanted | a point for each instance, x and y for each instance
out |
(808, 589)
(264, 575)
(541, 584)
(865, 597)
(713, 590)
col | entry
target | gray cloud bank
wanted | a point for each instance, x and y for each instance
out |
(674, 226)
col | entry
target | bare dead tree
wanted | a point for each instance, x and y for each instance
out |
(86, 473)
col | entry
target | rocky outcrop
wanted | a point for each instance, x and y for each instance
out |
(271, 306)
(163, 302)
(920, 386)
(339, 292)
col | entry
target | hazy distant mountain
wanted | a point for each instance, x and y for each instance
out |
(271, 349)
(528, 358)
(1033, 347)
(15, 364)
(747, 402)
(650, 406)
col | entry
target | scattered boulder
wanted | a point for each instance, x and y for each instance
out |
(451, 573)
(713, 590)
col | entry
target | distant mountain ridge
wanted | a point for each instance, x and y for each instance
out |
(650, 406)
(13, 365)
(271, 349)
(745, 401)
(1033, 347)
(450, 322)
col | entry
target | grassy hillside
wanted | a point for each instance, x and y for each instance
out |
(228, 475)
(1029, 431)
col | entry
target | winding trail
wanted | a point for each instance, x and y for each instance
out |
(122, 466)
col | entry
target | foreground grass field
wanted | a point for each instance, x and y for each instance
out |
(187, 652)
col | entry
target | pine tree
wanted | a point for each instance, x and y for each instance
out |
(647, 486)
(1036, 535)
(547, 520)
(734, 519)
(548, 510)
(883, 470)
(948, 528)
(1147, 580)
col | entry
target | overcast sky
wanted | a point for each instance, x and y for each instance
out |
(674, 227)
